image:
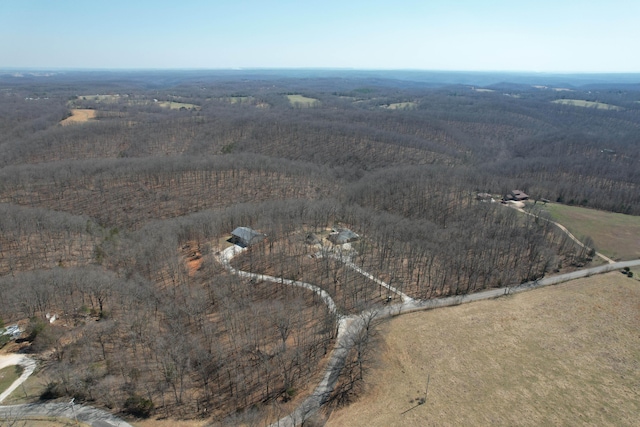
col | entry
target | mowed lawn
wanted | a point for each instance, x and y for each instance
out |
(8, 375)
(615, 235)
(562, 355)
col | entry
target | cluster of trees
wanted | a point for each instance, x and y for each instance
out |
(114, 225)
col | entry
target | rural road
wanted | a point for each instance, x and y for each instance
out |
(351, 326)
(86, 414)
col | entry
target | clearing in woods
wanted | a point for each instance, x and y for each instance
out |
(79, 115)
(561, 355)
(587, 104)
(302, 101)
(401, 106)
(615, 235)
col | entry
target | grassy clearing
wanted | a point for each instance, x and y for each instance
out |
(615, 235)
(8, 375)
(562, 355)
(401, 106)
(483, 90)
(178, 105)
(100, 98)
(79, 115)
(587, 104)
(302, 101)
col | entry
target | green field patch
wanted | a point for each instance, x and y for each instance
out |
(483, 90)
(587, 104)
(615, 235)
(401, 106)
(8, 376)
(302, 101)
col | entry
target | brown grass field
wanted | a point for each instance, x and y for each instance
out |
(562, 355)
(79, 115)
(615, 235)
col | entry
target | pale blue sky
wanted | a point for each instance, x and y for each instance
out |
(484, 35)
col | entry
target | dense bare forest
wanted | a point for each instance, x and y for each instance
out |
(116, 223)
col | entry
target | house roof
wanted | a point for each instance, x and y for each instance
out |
(519, 195)
(344, 235)
(246, 234)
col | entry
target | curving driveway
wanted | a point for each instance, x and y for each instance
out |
(93, 416)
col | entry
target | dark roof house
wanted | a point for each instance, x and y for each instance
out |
(343, 235)
(517, 195)
(245, 236)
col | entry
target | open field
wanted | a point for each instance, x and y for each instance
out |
(178, 105)
(615, 235)
(401, 106)
(302, 101)
(562, 355)
(587, 104)
(79, 115)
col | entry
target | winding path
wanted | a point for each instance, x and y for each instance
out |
(351, 326)
(93, 416)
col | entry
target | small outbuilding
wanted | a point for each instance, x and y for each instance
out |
(245, 236)
(342, 236)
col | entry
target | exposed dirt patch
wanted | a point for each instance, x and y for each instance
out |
(562, 355)
(193, 257)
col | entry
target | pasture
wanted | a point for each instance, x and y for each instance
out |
(615, 235)
(561, 355)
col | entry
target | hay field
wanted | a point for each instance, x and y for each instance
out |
(562, 355)
(587, 104)
(302, 101)
(79, 115)
(615, 235)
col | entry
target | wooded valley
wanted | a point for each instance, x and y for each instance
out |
(116, 224)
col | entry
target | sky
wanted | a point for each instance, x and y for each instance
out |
(591, 36)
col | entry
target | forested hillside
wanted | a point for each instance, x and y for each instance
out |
(116, 222)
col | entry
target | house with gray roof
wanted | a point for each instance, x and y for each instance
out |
(245, 236)
(342, 236)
